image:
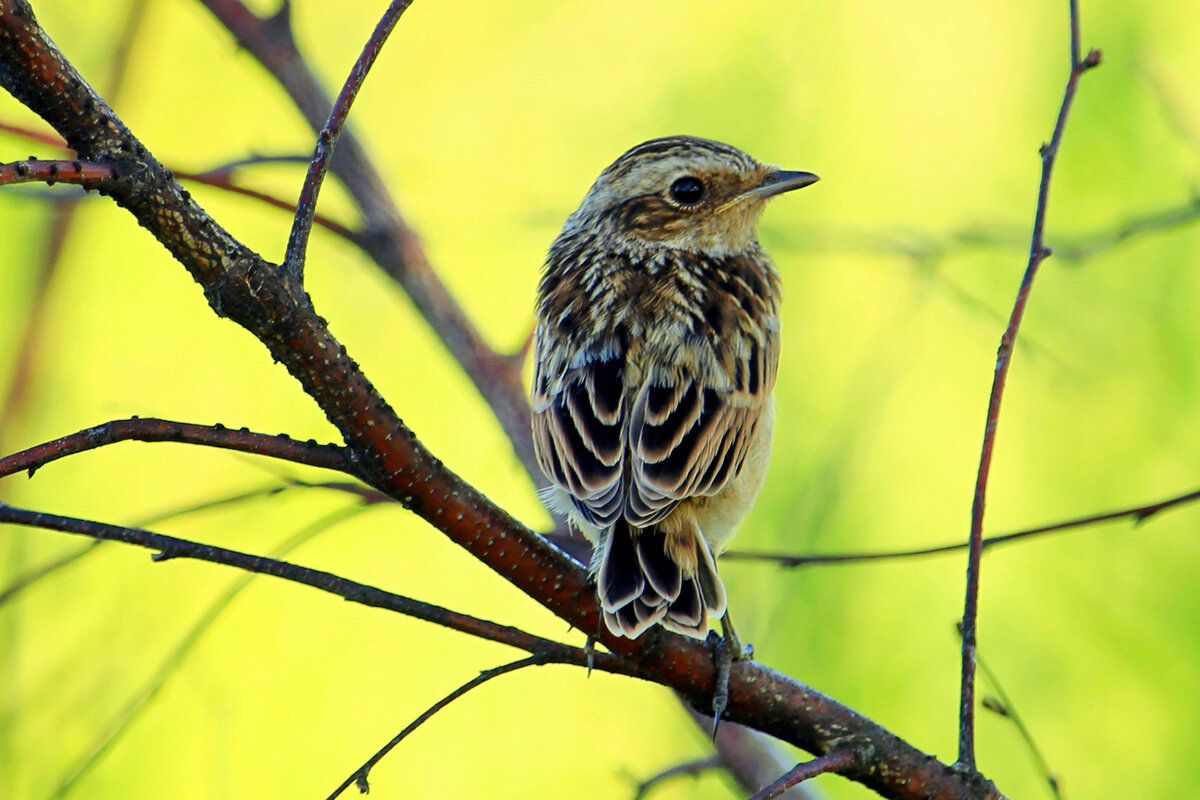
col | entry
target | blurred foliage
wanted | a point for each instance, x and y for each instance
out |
(490, 120)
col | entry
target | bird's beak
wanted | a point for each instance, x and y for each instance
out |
(778, 182)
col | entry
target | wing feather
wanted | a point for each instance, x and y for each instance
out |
(579, 433)
(691, 439)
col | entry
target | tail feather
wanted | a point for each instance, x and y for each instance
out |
(659, 569)
(619, 580)
(709, 582)
(641, 581)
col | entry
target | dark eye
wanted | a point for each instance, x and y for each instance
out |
(687, 191)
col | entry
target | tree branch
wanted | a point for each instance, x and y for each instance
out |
(689, 769)
(833, 761)
(327, 139)
(1138, 514)
(170, 547)
(31, 170)
(1037, 253)
(360, 775)
(326, 456)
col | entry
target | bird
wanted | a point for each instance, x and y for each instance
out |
(656, 349)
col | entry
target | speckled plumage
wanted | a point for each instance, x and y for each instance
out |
(656, 351)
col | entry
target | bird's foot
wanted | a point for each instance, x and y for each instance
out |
(726, 650)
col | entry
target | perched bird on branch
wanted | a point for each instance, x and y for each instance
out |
(656, 350)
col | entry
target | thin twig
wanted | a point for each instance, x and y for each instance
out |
(33, 170)
(1037, 253)
(170, 547)
(254, 160)
(752, 758)
(687, 769)
(1006, 708)
(41, 137)
(1138, 514)
(306, 208)
(224, 181)
(220, 177)
(148, 429)
(35, 575)
(360, 775)
(832, 761)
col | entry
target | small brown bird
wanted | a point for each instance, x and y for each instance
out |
(656, 349)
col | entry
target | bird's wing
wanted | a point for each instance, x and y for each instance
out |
(691, 438)
(579, 431)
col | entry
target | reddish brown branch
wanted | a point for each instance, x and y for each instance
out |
(32, 170)
(40, 137)
(223, 181)
(833, 761)
(1138, 514)
(327, 456)
(217, 178)
(327, 139)
(1037, 253)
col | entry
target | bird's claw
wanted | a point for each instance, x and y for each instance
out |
(723, 661)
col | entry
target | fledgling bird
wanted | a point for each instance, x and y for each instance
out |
(656, 350)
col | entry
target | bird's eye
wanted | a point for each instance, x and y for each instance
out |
(687, 191)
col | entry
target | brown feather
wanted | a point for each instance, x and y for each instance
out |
(656, 351)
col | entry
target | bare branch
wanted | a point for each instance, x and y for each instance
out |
(170, 547)
(1004, 706)
(33, 576)
(40, 137)
(833, 761)
(223, 180)
(253, 160)
(360, 775)
(220, 177)
(32, 170)
(140, 429)
(1138, 514)
(1037, 253)
(306, 208)
(687, 769)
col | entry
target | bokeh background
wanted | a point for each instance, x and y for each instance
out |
(490, 120)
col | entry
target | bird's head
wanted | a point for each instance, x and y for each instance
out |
(684, 193)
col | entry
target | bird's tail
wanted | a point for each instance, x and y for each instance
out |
(651, 575)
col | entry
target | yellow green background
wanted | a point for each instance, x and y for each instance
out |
(490, 120)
